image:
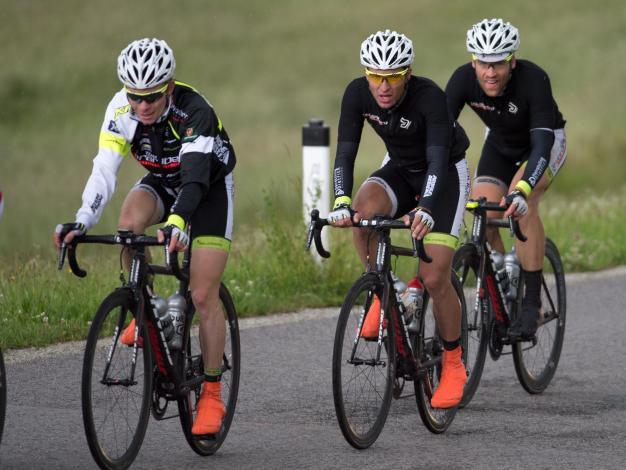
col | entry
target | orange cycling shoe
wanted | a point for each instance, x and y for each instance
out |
(453, 378)
(128, 335)
(211, 410)
(371, 322)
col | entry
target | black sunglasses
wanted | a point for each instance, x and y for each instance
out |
(148, 98)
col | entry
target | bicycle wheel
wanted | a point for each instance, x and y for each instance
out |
(536, 361)
(363, 370)
(466, 265)
(3, 393)
(115, 398)
(427, 348)
(194, 366)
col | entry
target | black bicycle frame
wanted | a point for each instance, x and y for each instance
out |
(141, 293)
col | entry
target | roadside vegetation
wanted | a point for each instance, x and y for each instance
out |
(268, 67)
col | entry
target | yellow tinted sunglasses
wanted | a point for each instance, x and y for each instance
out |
(392, 78)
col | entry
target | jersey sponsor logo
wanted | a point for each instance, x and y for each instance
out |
(338, 179)
(120, 111)
(153, 161)
(484, 106)
(512, 108)
(145, 146)
(113, 127)
(404, 123)
(430, 185)
(189, 135)
(376, 119)
(96, 203)
(220, 149)
(179, 113)
(538, 171)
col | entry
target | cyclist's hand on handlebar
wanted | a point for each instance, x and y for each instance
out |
(341, 215)
(518, 205)
(174, 230)
(66, 233)
(421, 222)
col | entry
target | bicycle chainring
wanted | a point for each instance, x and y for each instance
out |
(495, 341)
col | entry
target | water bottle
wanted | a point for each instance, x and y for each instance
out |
(412, 300)
(498, 265)
(511, 265)
(399, 286)
(159, 304)
(176, 305)
(412, 296)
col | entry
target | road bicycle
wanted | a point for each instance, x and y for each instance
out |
(494, 296)
(3, 393)
(367, 373)
(122, 384)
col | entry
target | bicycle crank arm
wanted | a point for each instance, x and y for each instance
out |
(189, 385)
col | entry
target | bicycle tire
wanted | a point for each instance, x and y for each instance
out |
(427, 347)
(362, 413)
(536, 364)
(115, 440)
(231, 370)
(466, 264)
(3, 393)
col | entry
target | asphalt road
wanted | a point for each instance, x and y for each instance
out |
(285, 415)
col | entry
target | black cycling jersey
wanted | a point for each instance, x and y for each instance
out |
(525, 104)
(418, 132)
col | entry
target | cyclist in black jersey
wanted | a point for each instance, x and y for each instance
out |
(172, 131)
(424, 172)
(524, 146)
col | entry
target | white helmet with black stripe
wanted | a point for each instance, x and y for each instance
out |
(146, 63)
(387, 50)
(492, 40)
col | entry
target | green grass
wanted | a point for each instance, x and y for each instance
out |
(268, 67)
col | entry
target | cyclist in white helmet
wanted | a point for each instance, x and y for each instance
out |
(524, 146)
(424, 173)
(174, 133)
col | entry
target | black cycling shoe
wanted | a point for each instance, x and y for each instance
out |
(525, 326)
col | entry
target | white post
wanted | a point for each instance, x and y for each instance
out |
(316, 172)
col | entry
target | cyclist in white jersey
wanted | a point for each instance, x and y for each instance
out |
(172, 131)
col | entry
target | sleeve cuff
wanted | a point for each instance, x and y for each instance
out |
(524, 187)
(176, 220)
(342, 201)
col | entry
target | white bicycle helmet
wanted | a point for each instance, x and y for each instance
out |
(492, 40)
(146, 63)
(387, 50)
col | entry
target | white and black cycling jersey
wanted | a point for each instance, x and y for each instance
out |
(187, 145)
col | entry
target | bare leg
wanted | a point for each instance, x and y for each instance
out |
(207, 267)
(370, 200)
(531, 252)
(436, 277)
(493, 193)
(139, 211)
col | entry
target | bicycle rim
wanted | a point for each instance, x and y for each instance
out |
(194, 366)
(466, 265)
(536, 363)
(428, 347)
(362, 384)
(115, 413)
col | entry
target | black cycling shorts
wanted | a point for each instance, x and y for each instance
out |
(404, 188)
(212, 221)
